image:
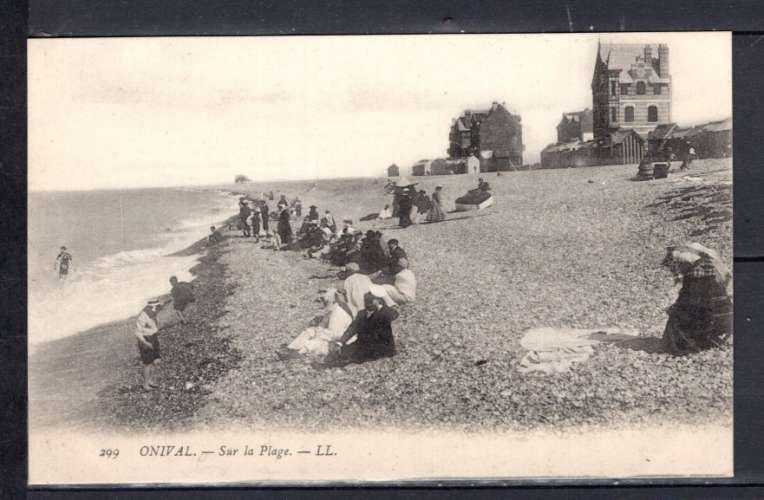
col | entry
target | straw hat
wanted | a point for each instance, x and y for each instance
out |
(404, 182)
(380, 292)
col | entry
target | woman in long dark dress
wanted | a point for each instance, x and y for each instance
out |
(436, 213)
(285, 227)
(405, 204)
(701, 317)
(265, 216)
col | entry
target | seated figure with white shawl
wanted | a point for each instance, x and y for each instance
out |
(325, 328)
(403, 289)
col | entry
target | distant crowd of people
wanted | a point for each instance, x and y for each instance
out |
(413, 206)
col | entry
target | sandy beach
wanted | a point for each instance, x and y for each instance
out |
(587, 256)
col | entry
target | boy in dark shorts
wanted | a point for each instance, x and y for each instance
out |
(147, 331)
(63, 260)
(182, 296)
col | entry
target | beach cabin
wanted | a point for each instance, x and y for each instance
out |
(627, 146)
(440, 166)
(420, 168)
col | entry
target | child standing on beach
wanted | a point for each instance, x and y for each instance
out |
(147, 331)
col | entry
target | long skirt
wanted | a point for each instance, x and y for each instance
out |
(404, 215)
(396, 295)
(285, 232)
(361, 352)
(436, 213)
(313, 341)
(693, 331)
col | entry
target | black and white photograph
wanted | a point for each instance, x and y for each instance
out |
(379, 258)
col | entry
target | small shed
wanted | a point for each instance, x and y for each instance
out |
(627, 146)
(393, 170)
(420, 168)
(440, 166)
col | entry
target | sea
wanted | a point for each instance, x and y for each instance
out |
(121, 242)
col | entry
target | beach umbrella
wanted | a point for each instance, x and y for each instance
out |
(404, 182)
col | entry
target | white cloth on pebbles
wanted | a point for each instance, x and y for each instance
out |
(554, 350)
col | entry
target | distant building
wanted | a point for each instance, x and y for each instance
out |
(631, 89)
(420, 168)
(631, 96)
(494, 136)
(393, 170)
(575, 126)
(710, 140)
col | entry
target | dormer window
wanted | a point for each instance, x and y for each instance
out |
(640, 88)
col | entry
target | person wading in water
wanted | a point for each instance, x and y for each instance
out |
(63, 260)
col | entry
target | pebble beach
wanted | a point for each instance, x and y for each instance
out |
(578, 248)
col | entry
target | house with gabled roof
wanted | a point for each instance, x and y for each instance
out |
(631, 89)
(631, 96)
(575, 126)
(494, 135)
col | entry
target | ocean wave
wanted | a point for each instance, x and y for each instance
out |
(91, 298)
(116, 286)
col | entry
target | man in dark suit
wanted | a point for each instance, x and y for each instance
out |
(373, 330)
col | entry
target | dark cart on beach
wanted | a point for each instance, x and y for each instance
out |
(649, 170)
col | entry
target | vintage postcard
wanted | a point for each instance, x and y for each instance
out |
(341, 259)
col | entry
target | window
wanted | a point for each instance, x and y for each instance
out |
(652, 114)
(612, 87)
(640, 88)
(657, 89)
(613, 116)
(624, 88)
(628, 114)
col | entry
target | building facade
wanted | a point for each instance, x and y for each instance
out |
(631, 96)
(495, 136)
(631, 89)
(575, 126)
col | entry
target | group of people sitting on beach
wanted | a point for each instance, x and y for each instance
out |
(355, 325)
(356, 322)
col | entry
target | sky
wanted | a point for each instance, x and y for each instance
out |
(135, 112)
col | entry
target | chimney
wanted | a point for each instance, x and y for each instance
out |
(663, 60)
(649, 54)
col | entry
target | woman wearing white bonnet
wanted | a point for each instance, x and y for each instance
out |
(701, 317)
(328, 326)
